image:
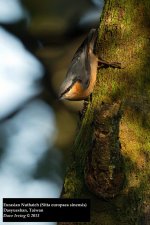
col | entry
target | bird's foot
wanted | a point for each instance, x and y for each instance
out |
(85, 106)
(105, 64)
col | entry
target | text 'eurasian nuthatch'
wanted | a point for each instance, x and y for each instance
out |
(81, 75)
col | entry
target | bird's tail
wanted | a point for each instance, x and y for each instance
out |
(93, 39)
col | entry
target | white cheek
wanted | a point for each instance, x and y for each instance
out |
(69, 93)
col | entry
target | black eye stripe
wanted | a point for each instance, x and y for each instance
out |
(68, 89)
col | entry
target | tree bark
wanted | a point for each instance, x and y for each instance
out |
(111, 156)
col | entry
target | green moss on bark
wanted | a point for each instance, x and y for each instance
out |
(123, 37)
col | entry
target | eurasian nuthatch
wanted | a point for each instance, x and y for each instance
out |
(81, 75)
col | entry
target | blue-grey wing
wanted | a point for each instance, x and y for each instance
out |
(79, 68)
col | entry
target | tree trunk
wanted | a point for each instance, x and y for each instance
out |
(111, 155)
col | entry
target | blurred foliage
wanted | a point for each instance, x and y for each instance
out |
(52, 33)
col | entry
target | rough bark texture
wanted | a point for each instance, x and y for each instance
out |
(111, 156)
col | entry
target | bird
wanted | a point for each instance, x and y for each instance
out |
(81, 75)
